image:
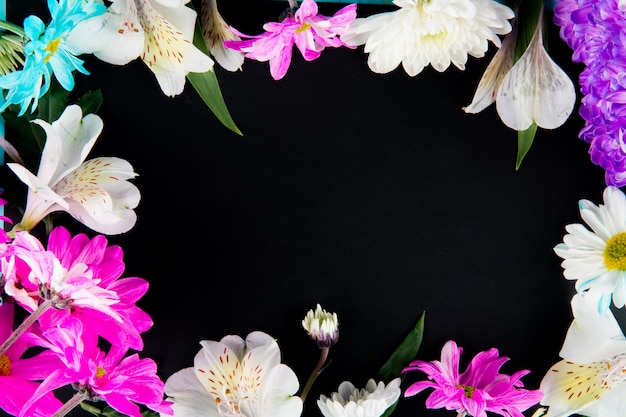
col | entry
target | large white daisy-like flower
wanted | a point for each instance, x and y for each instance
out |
(596, 258)
(236, 378)
(435, 32)
(371, 401)
(590, 379)
(95, 192)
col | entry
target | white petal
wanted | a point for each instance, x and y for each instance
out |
(276, 393)
(189, 396)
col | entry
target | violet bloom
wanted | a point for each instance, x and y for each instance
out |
(80, 275)
(594, 30)
(479, 389)
(308, 30)
(122, 381)
(18, 375)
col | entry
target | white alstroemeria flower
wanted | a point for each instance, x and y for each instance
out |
(436, 32)
(95, 192)
(160, 31)
(535, 90)
(590, 380)
(371, 401)
(236, 378)
(495, 72)
(215, 31)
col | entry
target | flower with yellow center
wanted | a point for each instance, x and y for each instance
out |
(158, 31)
(236, 378)
(595, 257)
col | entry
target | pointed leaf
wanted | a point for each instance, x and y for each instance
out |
(90, 102)
(208, 88)
(524, 142)
(404, 354)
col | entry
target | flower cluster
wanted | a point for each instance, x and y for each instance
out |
(81, 324)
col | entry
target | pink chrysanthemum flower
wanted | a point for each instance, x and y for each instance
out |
(18, 374)
(122, 381)
(594, 29)
(308, 30)
(77, 276)
(479, 389)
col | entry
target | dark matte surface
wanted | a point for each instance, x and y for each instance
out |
(374, 195)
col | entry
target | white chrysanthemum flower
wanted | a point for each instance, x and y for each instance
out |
(322, 326)
(596, 258)
(435, 32)
(371, 401)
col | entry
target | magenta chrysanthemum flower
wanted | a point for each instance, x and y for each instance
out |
(310, 31)
(594, 29)
(479, 389)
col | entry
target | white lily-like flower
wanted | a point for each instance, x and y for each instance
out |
(215, 31)
(495, 72)
(590, 380)
(236, 378)
(95, 192)
(371, 401)
(160, 31)
(535, 90)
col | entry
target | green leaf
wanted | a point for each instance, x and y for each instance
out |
(107, 411)
(527, 20)
(524, 142)
(90, 102)
(404, 354)
(208, 88)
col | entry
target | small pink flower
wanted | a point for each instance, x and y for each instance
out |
(310, 31)
(4, 237)
(122, 381)
(479, 389)
(18, 375)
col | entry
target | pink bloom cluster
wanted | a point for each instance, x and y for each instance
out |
(74, 291)
(308, 30)
(479, 389)
(594, 30)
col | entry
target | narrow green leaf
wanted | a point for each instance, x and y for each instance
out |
(208, 88)
(527, 20)
(524, 142)
(404, 354)
(90, 102)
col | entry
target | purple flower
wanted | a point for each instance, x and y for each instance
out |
(594, 29)
(479, 389)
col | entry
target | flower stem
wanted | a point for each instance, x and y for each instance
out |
(70, 404)
(28, 321)
(316, 371)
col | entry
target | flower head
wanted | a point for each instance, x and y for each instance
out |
(371, 401)
(322, 327)
(594, 30)
(590, 379)
(595, 257)
(436, 33)
(234, 377)
(95, 192)
(161, 32)
(308, 30)
(535, 90)
(48, 52)
(479, 389)
(215, 31)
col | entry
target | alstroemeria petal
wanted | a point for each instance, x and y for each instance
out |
(535, 90)
(215, 31)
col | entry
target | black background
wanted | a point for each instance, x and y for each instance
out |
(374, 195)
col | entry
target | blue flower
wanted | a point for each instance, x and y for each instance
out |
(47, 53)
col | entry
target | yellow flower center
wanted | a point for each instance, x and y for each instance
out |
(305, 26)
(100, 372)
(468, 390)
(5, 365)
(52, 47)
(615, 252)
